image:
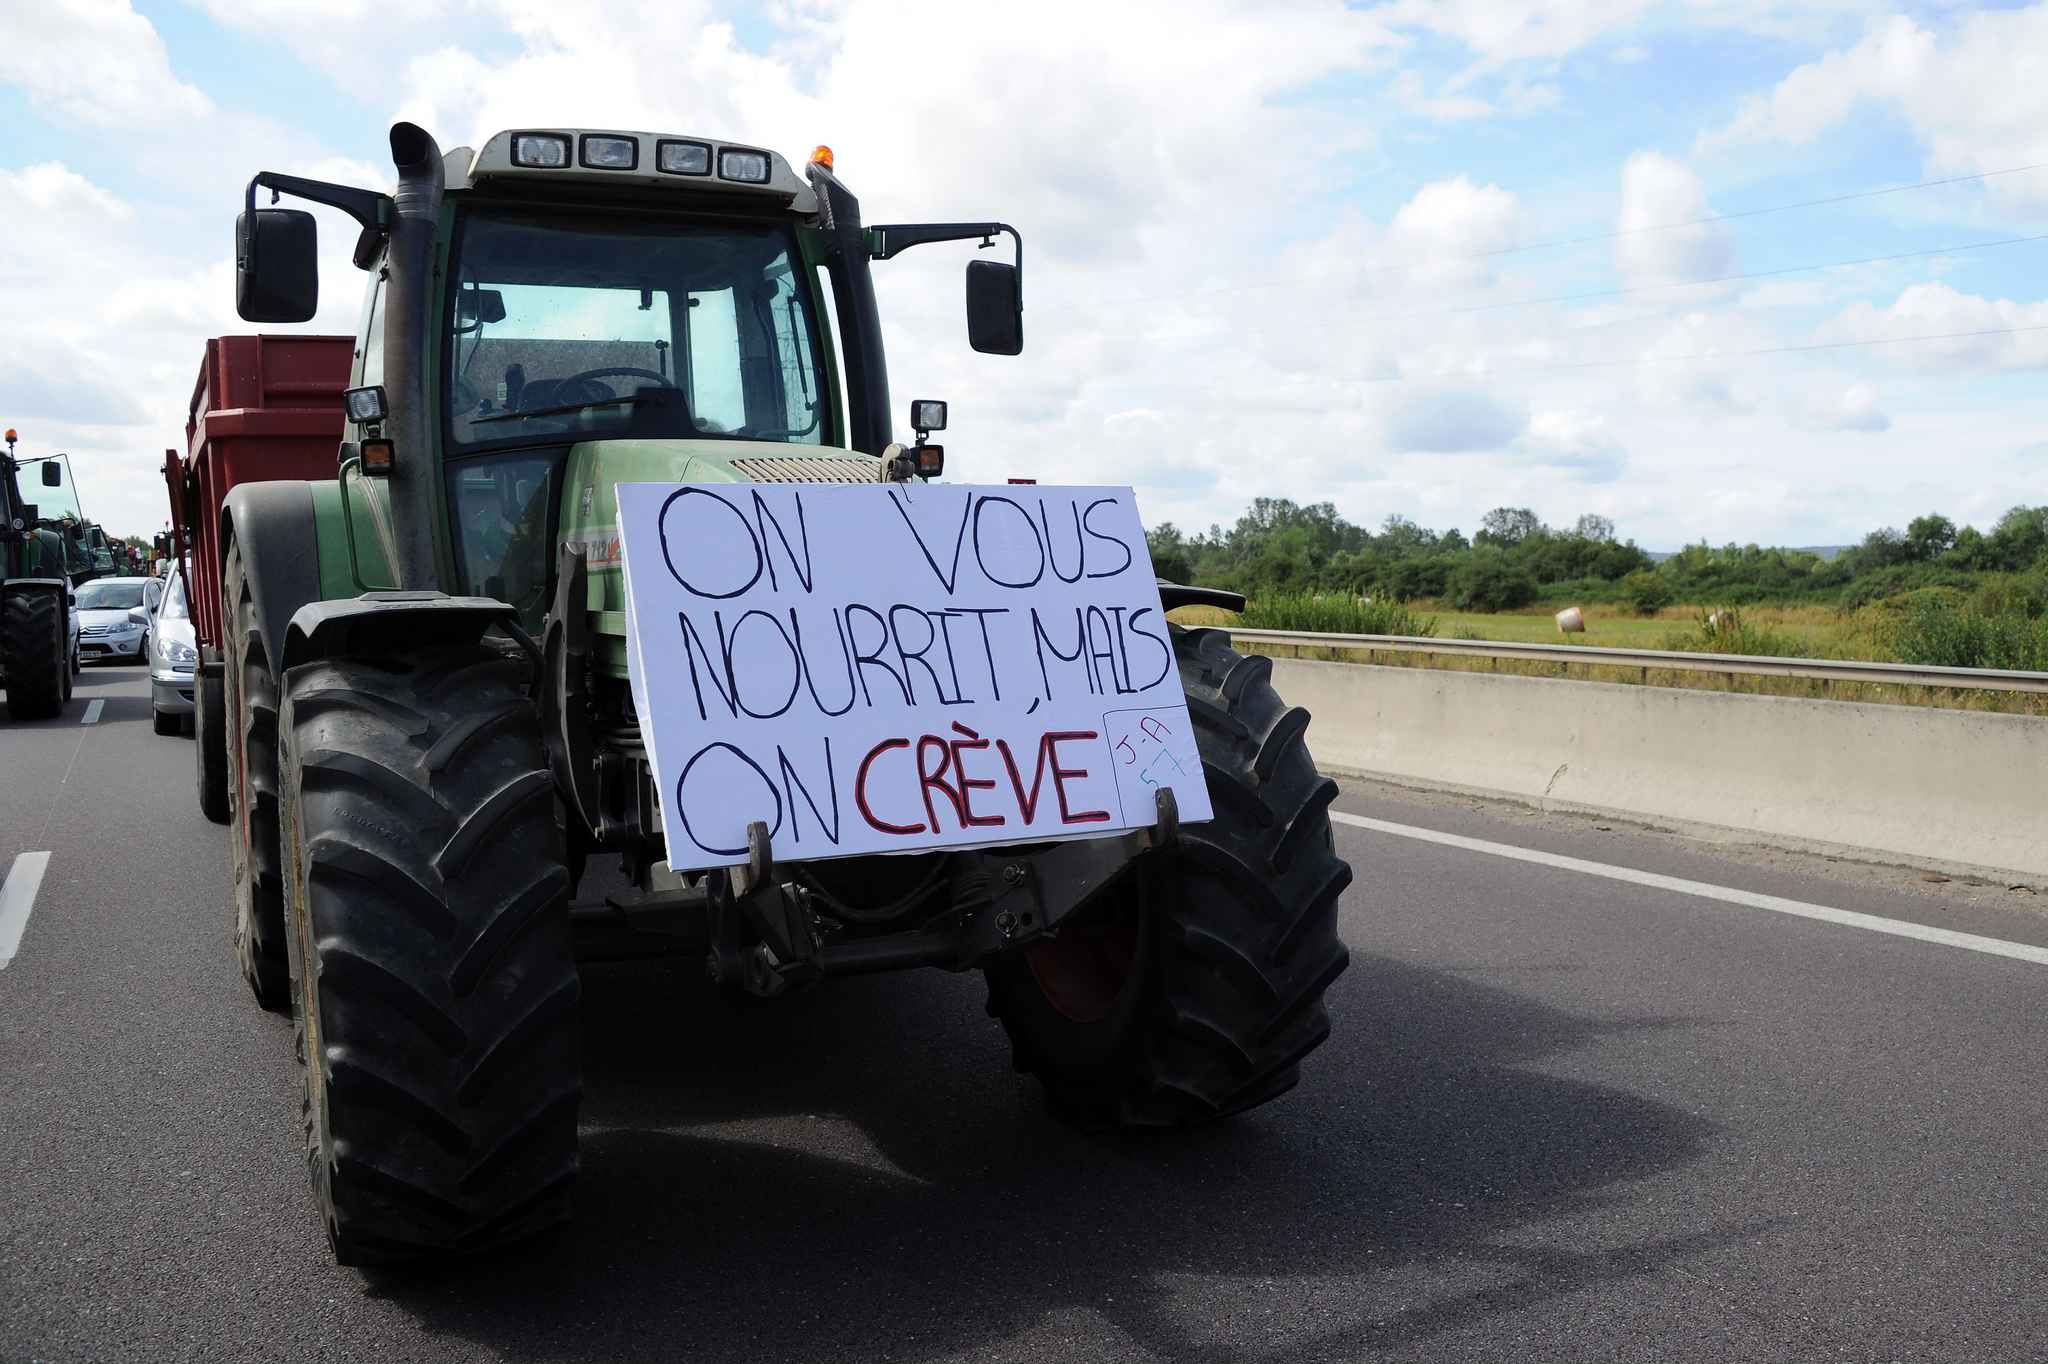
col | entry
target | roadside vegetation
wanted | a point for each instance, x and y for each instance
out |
(1933, 594)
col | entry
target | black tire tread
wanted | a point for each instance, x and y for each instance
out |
(251, 719)
(1242, 932)
(32, 638)
(442, 1089)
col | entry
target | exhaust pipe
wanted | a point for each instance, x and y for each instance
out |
(408, 351)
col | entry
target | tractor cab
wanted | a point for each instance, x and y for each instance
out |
(563, 310)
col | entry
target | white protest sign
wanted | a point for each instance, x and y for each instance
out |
(889, 667)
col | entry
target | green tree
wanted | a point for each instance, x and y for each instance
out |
(1646, 591)
(1929, 537)
(1169, 550)
(1487, 581)
(1508, 526)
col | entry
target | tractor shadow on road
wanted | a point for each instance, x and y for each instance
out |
(857, 1173)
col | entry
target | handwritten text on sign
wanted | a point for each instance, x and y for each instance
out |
(874, 668)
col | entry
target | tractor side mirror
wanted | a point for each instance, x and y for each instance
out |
(277, 270)
(53, 474)
(995, 308)
(74, 531)
(162, 544)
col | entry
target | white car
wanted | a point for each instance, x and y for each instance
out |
(105, 629)
(173, 654)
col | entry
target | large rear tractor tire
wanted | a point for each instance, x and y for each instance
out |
(209, 730)
(32, 636)
(437, 994)
(250, 712)
(1196, 987)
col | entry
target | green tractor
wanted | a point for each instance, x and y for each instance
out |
(429, 727)
(37, 653)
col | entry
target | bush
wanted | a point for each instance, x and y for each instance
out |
(1343, 615)
(1646, 592)
(1901, 578)
(1938, 633)
(1410, 579)
(1724, 631)
(1488, 582)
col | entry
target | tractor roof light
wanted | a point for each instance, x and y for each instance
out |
(742, 166)
(931, 460)
(540, 151)
(683, 158)
(611, 153)
(822, 156)
(378, 455)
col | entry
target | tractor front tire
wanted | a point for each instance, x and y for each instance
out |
(251, 713)
(435, 980)
(32, 637)
(1195, 988)
(209, 730)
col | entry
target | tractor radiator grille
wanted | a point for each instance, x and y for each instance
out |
(804, 469)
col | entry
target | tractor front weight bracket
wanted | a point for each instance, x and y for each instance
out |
(765, 937)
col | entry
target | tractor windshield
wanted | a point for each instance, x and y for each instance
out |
(582, 328)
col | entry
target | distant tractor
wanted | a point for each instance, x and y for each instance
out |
(423, 688)
(35, 600)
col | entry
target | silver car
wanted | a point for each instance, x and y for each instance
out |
(106, 629)
(173, 653)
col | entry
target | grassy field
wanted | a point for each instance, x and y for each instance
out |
(1825, 630)
(1801, 631)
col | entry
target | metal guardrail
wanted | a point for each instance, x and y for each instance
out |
(1665, 660)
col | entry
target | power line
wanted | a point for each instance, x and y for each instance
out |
(1794, 350)
(1349, 319)
(1569, 366)
(1760, 212)
(1730, 279)
(1587, 238)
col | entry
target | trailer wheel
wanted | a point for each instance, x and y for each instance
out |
(250, 711)
(436, 986)
(1196, 987)
(32, 636)
(209, 731)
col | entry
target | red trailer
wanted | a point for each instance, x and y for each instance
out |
(264, 407)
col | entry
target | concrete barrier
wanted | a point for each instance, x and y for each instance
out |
(1956, 788)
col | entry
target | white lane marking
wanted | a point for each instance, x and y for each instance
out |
(1750, 899)
(17, 898)
(92, 712)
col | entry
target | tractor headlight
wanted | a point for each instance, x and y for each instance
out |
(748, 168)
(684, 158)
(541, 151)
(611, 153)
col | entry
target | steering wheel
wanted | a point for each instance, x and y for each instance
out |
(577, 382)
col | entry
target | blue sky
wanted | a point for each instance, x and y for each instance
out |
(1275, 249)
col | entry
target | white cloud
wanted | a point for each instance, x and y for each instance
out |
(94, 62)
(2001, 340)
(1500, 33)
(1447, 231)
(1853, 408)
(1657, 192)
(1577, 441)
(1976, 94)
(1453, 421)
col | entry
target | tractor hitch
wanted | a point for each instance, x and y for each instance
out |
(766, 938)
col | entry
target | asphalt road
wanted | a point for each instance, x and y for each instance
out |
(1561, 1118)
